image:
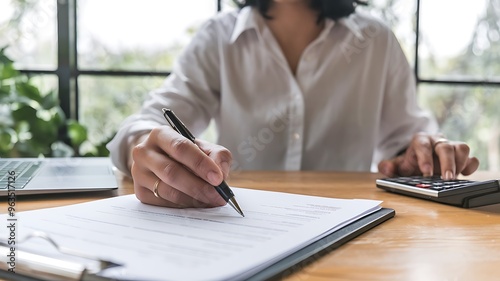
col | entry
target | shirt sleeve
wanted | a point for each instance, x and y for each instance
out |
(191, 91)
(401, 117)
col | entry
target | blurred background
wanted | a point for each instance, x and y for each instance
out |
(99, 59)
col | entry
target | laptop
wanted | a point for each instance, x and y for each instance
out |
(28, 176)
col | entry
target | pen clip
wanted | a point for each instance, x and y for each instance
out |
(177, 124)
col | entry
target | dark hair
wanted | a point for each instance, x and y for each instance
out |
(333, 9)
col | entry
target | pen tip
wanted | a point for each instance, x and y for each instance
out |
(241, 213)
(235, 206)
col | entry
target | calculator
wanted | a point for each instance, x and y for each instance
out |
(459, 192)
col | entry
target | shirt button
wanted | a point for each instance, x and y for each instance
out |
(296, 136)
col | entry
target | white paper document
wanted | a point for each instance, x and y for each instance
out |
(156, 243)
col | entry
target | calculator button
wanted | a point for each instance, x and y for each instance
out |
(400, 180)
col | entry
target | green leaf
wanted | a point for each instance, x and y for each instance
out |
(6, 120)
(44, 132)
(31, 149)
(3, 58)
(58, 117)
(8, 71)
(102, 151)
(4, 90)
(87, 149)
(32, 118)
(50, 100)
(29, 91)
(76, 133)
(21, 127)
(25, 113)
(24, 101)
(7, 139)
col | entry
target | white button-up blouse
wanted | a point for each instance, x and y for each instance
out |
(351, 103)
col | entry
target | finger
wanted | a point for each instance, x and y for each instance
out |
(422, 145)
(407, 165)
(461, 156)
(177, 177)
(388, 167)
(176, 196)
(445, 153)
(147, 197)
(142, 179)
(471, 166)
(144, 183)
(187, 153)
(173, 195)
(221, 155)
(417, 159)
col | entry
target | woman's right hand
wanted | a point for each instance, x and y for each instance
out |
(184, 173)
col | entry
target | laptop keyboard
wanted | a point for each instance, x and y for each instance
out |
(24, 171)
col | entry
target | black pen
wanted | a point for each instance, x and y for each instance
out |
(223, 189)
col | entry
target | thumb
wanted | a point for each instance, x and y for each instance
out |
(225, 165)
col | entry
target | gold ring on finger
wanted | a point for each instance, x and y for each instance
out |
(438, 141)
(155, 188)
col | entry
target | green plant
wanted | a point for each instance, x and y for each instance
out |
(32, 123)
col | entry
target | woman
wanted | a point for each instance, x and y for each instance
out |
(291, 85)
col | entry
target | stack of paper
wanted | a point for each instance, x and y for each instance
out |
(156, 243)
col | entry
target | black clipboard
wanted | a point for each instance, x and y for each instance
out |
(287, 265)
(315, 250)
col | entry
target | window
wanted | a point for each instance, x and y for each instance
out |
(456, 64)
(122, 59)
(143, 35)
(29, 29)
(459, 72)
(105, 56)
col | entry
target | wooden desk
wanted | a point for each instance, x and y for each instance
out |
(425, 241)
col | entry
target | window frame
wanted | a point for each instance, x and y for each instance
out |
(67, 71)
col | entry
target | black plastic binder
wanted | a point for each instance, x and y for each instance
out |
(318, 248)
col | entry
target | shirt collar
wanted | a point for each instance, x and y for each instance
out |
(352, 25)
(249, 18)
